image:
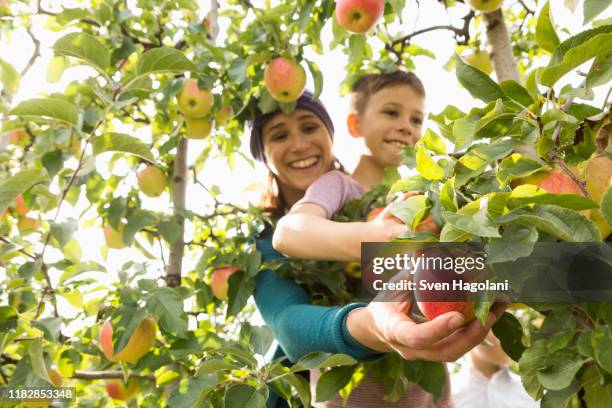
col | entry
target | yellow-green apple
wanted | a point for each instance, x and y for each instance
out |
(359, 16)
(16, 135)
(432, 297)
(197, 128)
(598, 175)
(285, 79)
(194, 102)
(139, 344)
(353, 269)
(151, 181)
(223, 115)
(480, 59)
(114, 237)
(117, 390)
(219, 281)
(485, 5)
(27, 224)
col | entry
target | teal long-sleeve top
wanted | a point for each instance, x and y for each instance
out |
(300, 327)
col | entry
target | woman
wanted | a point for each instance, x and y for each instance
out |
(297, 149)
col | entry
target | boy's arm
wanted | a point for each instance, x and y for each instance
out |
(306, 233)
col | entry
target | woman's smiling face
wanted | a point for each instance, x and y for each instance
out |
(298, 150)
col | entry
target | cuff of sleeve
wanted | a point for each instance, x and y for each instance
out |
(345, 342)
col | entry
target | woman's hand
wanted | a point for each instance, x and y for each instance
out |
(384, 325)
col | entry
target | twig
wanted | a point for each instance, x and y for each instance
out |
(35, 54)
(23, 251)
(605, 102)
(100, 375)
(527, 9)
(459, 32)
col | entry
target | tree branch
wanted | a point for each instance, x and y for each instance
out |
(101, 375)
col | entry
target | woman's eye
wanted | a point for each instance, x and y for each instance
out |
(278, 137)
(310, 128)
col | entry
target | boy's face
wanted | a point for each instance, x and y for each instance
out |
(392, 119)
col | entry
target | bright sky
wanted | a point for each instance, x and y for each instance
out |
(442, 89)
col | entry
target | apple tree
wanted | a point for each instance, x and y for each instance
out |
(163, 317)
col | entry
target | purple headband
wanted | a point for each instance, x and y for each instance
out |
(304, 102)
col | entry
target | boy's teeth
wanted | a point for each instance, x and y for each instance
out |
(304, 163)
(397, 144)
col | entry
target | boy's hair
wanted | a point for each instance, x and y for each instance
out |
(368, 84)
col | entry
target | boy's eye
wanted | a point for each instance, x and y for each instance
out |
(417, 121)
(391, 113)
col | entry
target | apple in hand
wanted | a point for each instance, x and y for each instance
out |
(433, 302)
(194, 102)
(197, 128)
(151, 181)
(139, 344)
(480, 59)
(117, 390)
(285, 79)
(113, 237)
(374, 213)
(485, 5)
(219, 281)
(359, 16)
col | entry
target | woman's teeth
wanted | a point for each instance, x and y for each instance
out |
(302, 164)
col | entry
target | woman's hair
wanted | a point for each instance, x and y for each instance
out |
(272, 201)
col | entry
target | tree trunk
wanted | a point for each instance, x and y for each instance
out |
(502, 55)
(179, 180)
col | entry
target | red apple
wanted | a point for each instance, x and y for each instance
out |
(194, 102)
(436, 301)
(141, 342)
(116, 389)
(151, 181)
(598, 176)
(219, 281)
(285, 79)
(359, 16)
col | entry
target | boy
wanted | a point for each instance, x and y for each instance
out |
(387, 112)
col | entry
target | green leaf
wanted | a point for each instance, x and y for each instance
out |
(433, 142)
(8, 319)
(561, 368)
(433, 376)
(606, 205)
(333, 381)
(463, 133)
(448, 200)
(601, 71)
(9, 77)
(18, 184)
(35, 352)
(301, 386)
(562, 223)
(241, 287)
(516, 92)
(516, 166)
(545, 34)
(597, 394)
(509, 332)
(138, 220)
(119, 142)
(86, 47)
(593, 8)
(261, 339)
(191, 391)
(411, 210)
(478, 223)
(601, 342)
(63, 232)
(560, 398)
(170, 230)
(426, 166)
(575, 51)
(164, 60)
(532, 360)
(237, 72)
(50, 326)
(167, 305)
(317, 76)
(478, 84)
(48, 108)
(322, 360)
(531, 194)
(242, 395)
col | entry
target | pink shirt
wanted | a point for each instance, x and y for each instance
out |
(331, 191)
